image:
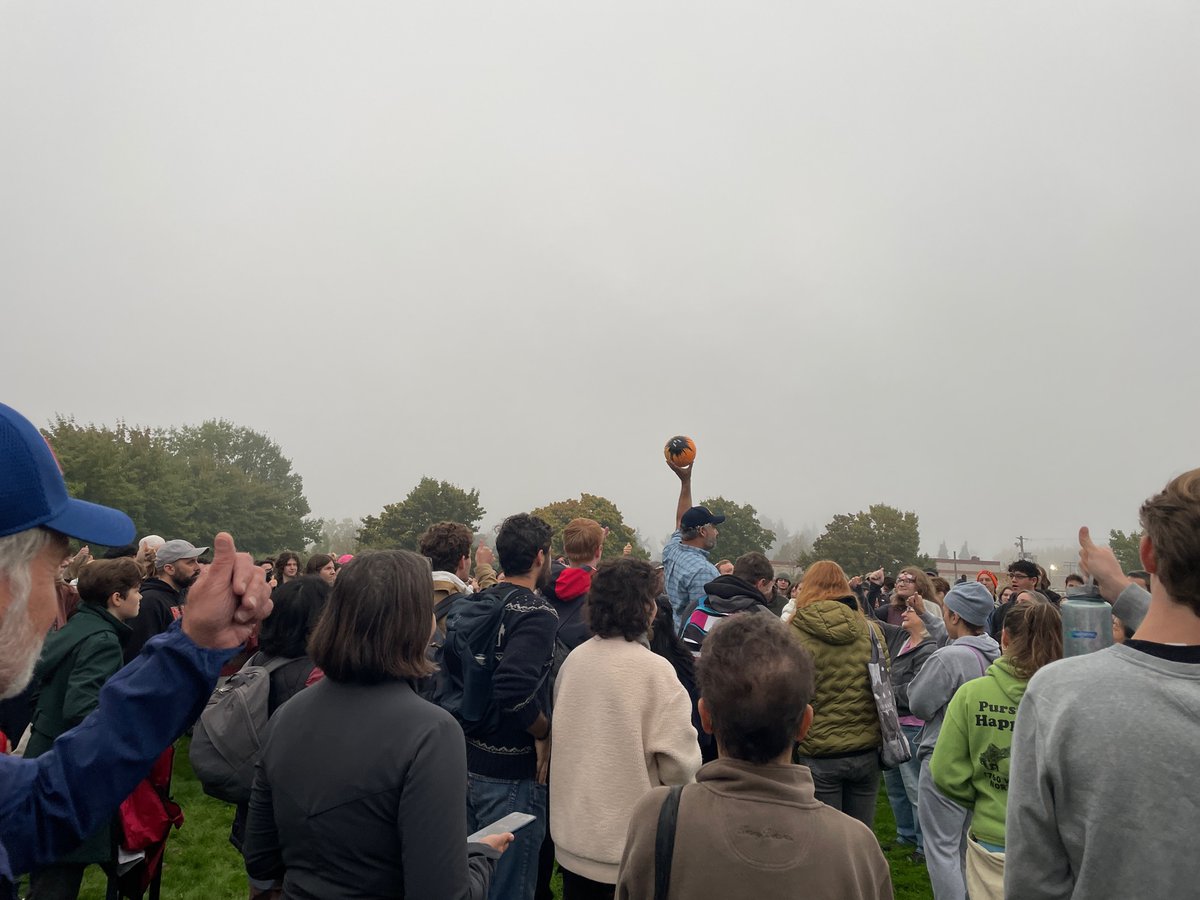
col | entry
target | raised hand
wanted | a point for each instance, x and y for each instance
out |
(228, 601)
(1101, 563)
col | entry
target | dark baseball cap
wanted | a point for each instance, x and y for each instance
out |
(699, 515)
(33, 493)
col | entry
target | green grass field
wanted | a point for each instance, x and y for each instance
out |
(201, 864)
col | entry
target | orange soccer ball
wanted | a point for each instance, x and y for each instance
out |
(680, 450)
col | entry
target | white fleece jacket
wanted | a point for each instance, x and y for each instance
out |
(622, 725)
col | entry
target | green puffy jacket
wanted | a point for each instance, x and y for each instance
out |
(844, 714)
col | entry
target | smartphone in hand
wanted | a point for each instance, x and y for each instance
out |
(513, 822)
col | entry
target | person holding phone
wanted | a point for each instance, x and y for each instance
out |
(361, 787)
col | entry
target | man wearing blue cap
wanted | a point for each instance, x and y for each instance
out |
(967, 656)
(686, 565)
(50, 804)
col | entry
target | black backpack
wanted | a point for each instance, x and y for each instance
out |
(561, 647)
(431, 687)
(473, 645)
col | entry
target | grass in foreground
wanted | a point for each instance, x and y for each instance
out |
(201, 864)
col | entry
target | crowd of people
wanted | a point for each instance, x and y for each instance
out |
(685, 729)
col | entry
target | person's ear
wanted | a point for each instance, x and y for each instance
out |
(114, 600)
(706, 715)
(805, 723)
(1146, 553)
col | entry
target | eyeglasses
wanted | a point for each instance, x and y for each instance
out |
(1016, 575)
(908, 578)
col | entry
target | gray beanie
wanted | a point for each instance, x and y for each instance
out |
(972, 601)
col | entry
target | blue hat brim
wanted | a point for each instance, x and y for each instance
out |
(93, 523)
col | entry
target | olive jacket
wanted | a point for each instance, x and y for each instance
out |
(845, 719)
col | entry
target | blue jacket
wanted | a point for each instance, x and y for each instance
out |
(50, 804)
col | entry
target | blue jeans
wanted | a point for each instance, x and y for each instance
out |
(489, 799)
(901, 785)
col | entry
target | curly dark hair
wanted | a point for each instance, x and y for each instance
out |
(445, 544)
(621, 599)
(518, 542)
(281, 562)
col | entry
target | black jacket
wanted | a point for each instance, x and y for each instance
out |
(568, 593)
(520, 684)
(157, 612)
(729, 594)
(725, 595)
(361, 792)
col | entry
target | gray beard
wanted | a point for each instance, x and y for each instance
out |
(20, 647)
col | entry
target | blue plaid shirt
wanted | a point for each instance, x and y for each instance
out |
(687, 571)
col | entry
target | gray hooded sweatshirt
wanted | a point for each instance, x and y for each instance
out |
(943, 673)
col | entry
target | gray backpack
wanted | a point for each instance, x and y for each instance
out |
(228, 738)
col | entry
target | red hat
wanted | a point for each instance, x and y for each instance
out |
(984, 573)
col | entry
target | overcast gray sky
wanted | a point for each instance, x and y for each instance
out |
(941, 255)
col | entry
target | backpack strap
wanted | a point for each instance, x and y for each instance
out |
(270, 663)
(443, 606)
(664, 842)
(574, 613)
(983, 663)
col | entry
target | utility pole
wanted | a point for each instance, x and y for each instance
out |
(1020, 545)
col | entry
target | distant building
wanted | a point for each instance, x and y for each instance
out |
(952, 569)
(789, 569)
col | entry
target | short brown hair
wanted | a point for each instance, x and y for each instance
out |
(102, 578)
(754, 567)
(620, 598)
(445, 544)
(582, 539)
(1171, 519)
(756, 682)
(377, 623)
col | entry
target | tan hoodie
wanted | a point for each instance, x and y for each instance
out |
(750, 831)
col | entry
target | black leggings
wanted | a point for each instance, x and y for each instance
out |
(576, 887)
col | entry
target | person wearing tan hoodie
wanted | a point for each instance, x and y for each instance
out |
(751, 826)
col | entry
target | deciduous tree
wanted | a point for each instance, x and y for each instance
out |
(1127, 548)
(188, 483)
(741, 531)
(863, 541)
(591, 506)
(399, 525)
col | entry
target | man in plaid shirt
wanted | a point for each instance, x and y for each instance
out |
(685, 557)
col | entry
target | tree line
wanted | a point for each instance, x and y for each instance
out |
(192, 481)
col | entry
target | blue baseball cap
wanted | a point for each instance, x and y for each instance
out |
(33, 492)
